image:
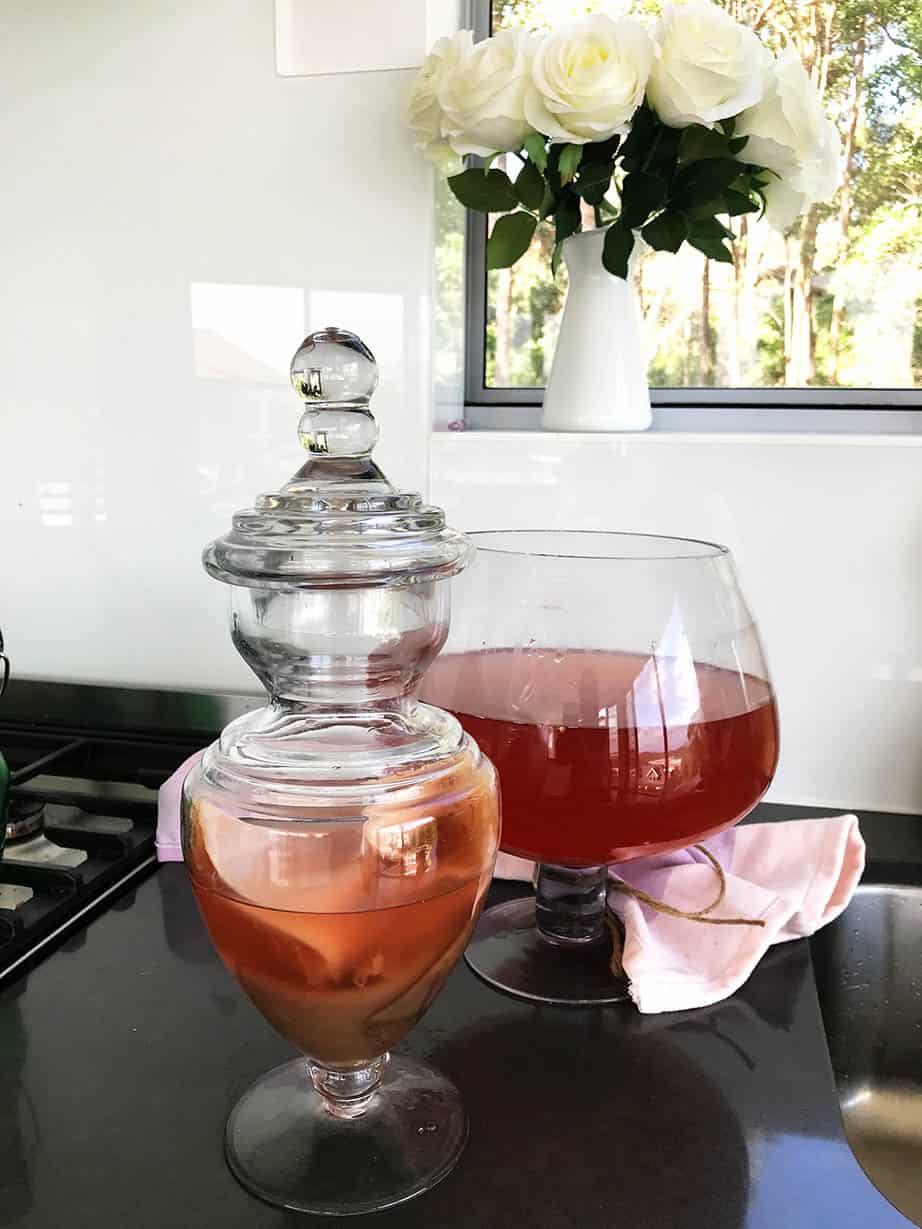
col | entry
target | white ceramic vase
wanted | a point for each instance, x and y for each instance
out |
(598, 379)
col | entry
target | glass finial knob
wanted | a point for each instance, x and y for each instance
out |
(335, 374)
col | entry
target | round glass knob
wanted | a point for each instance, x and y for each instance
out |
(335, 374)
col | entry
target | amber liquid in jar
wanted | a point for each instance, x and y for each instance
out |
(342, 929)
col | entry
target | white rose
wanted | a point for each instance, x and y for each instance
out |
(708, 67)
(424, 111)
(791, 134)
(483, 95)
(589, 79)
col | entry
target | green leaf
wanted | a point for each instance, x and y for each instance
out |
(594, 173)
(651, 146)
(548, 203)
(729, 126)
(600, 151)
(556, 257)
(706, 209)
(736, 203)
(701, 181)
(666, 154)
(594, 181)
(552, 171)
(637, 147)
(713, 249)
(509, 239)
(666, 233)
(619, 243)
(737, 144)
(698, 142)
(536, 149)
(529, 186)
(570, 158)
(708, 228)
(487, 192)
(593, 194)
(641, 195)
(567, 218)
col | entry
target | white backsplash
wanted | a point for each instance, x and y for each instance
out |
(181, 217)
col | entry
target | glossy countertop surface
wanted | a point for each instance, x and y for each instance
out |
(123, 1052)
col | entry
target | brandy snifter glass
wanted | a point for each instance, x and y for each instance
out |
(618, 683)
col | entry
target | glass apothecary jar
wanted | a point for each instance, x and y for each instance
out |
(341, 839)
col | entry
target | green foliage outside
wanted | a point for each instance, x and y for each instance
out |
(837, 301)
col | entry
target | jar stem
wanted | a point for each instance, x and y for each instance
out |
(347, 1092)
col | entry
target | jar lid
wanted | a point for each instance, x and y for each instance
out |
(338, 522)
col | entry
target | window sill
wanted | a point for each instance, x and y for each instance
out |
(866, 425)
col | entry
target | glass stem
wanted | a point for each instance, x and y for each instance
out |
(347, 1092)
(570, 904)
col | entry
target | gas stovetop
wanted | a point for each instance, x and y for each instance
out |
(82, 822)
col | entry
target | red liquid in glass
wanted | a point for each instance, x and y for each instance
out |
(605, 756)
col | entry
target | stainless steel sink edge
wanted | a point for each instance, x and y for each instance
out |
(868, 968)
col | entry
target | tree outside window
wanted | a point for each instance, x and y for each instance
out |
(836, 302)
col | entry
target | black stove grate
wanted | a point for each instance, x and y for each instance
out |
(100, 797)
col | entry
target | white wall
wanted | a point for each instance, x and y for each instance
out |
(174, 217)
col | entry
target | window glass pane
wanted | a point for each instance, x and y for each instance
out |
(837, 302)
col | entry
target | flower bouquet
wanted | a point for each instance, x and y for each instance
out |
(667, 132)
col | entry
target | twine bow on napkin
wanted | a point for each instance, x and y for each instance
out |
(777, 882)
(616, 928)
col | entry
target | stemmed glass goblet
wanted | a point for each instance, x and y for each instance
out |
(618, 683)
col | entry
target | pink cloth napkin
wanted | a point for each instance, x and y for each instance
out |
(796, 876)
(169, 800)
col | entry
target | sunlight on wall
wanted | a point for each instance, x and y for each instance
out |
(245, 333)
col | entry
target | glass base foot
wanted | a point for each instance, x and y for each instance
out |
(283, 1145)
(508, 952)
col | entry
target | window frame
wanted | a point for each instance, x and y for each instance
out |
(519, 407)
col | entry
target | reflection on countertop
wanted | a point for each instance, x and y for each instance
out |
(131, 1048)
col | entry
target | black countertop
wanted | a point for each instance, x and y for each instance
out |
(123, 1052)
